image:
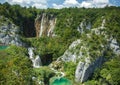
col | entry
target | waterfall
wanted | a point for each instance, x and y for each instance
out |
(35, 61)
(30, 52)
(41, 26)
(45, 24)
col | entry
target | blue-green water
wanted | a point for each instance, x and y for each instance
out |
(60, 81)
(3, 47)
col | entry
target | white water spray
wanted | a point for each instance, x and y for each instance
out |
(37, 60)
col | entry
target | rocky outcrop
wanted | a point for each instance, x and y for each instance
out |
(114, 45)
(100, 30)
(84, 25)
(45, 24)
(9, 32)
(71, 54)
(85, 69)
(82, 51)
(79, 53)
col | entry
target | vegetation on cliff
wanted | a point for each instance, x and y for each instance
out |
(16, 67)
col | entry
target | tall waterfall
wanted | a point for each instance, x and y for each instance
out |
(36, 60)
(41, 26)
(45, 24)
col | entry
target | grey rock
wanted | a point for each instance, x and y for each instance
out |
(114, 46)
(71, 55)
(79, 51)
(84, 25)
(9, 33)
(2, 35)
(85, 69)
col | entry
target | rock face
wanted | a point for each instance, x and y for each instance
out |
(82, 52)
(71, 54)
(114, 46)
(36, 60)
(84, 25)
(85, 69)
(45, 24)
(9, 32)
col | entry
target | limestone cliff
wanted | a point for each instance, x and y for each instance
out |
(45, 24)
(9, 32)
(85, 69)
(84, 25)
(89, 52)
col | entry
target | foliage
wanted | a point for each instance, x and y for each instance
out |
(44, 46)
(21, 16)
(108, 74)
(43, 74)
(69, 69)
(15, 66)
(111, 71)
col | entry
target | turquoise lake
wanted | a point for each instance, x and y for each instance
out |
(3, 47)
(60, 81)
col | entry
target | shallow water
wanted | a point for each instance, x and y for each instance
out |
(3, 47)
(60, 81)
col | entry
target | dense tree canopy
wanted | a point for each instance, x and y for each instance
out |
(15, 66)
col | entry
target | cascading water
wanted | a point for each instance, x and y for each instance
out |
(45, 24)
(41, 26)
(37, 60)
(30, 52)
(59, 80)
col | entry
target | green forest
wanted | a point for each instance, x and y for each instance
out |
(16, 67)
